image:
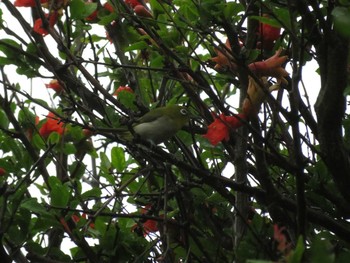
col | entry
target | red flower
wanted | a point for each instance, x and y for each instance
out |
(2, 171)
(268, 35)
(24, 3)
(220, 129)
(132, 3)
(77, 218)
(149, 226)
(283, 244)
(108, 7)
(92, 16)
(38, 24)
(140, 10)
(146, 209)
(55, 85)
(27, 3)
(271, 67)
(87, 133)
(122, 89)
(52, 124)
(65, 225)
(223, 58)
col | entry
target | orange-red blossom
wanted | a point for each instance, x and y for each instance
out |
(271, 67)
(55, 85)
(93, 16)
(132, 3)
(140, 10)
(39, 25)
(2, 171)
(52, 124)
(256, 95)
(149, 226)
(122, 89)
(224, 58)
(56, 8)
(76, 218)
(283, 245)
(27, 3)
(220, 129)
(267, 35)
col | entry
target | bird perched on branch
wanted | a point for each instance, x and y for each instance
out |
(158, 125)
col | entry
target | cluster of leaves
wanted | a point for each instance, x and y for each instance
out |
(270, 186)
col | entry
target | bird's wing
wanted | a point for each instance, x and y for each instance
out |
(150, 117)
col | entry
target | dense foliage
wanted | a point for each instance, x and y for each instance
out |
(258, 174)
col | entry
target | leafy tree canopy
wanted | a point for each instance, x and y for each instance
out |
(258, 174)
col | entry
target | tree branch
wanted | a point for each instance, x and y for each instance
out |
(330, 109)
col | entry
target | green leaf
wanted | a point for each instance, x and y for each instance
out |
(94, 38)
(4, 122)
(156, 7)
(5, 61)
(112, 116)
(344, 2)
(95, 192)
(35, 247)
(322, 250)
(284, 16)
(346, 91)
(105, 163)
(215, 198)
(127, 99)
(27, 70)
(232, 9)
(100, 225)
(106, 18)
(33, 206)
(118, 158)
(16, 233)
(38, 142)
(32, 48)
(157, 62)
(69, 148)
(80, 10)
(298, 252)
(9, 47)
(108, 176)
(26, 118)
(187, 10)
(106, 238)
(267, 20)
(14, 147)
(341, 17)
(59, 193)
(137, 46)
(54, 138)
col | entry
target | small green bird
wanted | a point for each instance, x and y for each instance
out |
(159, 125)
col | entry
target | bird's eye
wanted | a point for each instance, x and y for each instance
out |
(184, 112)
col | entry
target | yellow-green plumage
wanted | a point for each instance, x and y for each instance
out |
(160, 124)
